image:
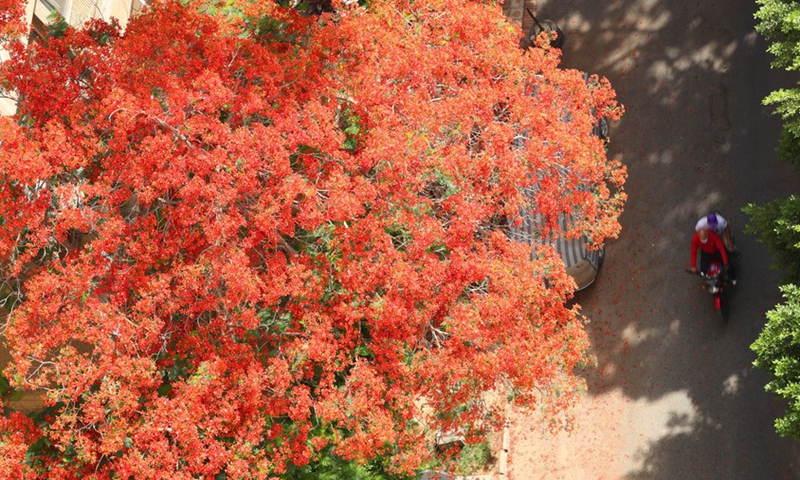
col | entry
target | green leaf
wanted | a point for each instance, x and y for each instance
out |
(778, 352)
(58, 25)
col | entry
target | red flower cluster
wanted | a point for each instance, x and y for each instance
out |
(236, 235)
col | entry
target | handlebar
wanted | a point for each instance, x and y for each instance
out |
(702, 274)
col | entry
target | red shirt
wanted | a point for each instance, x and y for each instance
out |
(713, 245)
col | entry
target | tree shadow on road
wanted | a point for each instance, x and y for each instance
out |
(694, 139)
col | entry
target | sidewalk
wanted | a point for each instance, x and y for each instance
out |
(515, 10)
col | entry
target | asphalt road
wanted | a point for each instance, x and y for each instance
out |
(674, 394)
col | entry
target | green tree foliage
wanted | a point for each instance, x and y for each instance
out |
(330, 466)
(779, 22)
(778, 224)
(778, 351)
(778, 347)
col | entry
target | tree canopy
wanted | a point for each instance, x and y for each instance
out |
(778, 222)
(777, 21)
(778, 352)
(235, 236)
(778, 346)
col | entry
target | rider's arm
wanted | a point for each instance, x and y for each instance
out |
(695, 240)
(725, 232)
(727, 239)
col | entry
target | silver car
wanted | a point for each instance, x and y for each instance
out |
(581, 263)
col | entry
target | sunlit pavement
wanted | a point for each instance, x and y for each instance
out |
(674, 394)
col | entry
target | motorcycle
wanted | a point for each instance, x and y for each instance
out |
(540, 26)
(716, 281)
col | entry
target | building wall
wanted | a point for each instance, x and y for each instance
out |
(514, 9)
(77, 12)
(527, 21)
(517, 11)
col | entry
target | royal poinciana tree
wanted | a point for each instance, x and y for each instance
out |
(234, 235)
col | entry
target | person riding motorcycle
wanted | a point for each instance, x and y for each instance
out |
(711, 246)
(720, 226)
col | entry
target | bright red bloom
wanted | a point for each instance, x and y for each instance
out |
(239, 236)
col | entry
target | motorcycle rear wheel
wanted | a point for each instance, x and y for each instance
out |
(724, 309)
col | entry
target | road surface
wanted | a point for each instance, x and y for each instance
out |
(674, 394)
